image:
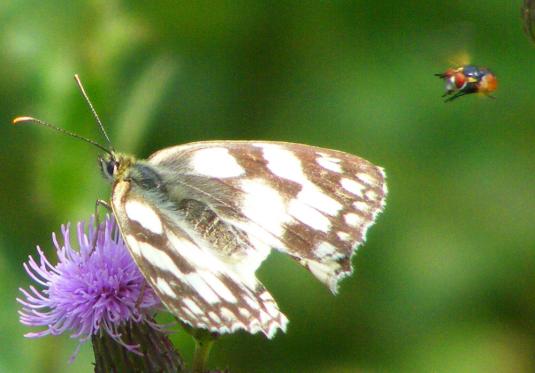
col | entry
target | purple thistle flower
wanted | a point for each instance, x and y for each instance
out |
(88, 290)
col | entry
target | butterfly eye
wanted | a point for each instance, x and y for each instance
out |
(108, 167)
(111, 167)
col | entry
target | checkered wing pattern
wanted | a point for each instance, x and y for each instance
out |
(200, 218)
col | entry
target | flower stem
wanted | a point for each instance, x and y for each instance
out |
(159, 355)
(203, 345)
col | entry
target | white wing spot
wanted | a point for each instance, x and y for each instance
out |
(164, 287)
(361, 206)
(227, 314)
(244, 312)
(366, 178)
(323, 271)
(309, 216)
(286, 164)
(201, 287)
(252, 302)
(329, 163)
(195, 255)
(264, 205)
(218, 286)
(313, 196)
(283, 163)
(343, 236)
(144, 215)
(371, 195)
(254, 326)
(215, 162)
(324, 249)
(264, 317)
(272, 309)
(132, 245)
(192, 306)
(214, 317)
(189, 313)
(158, 258)
(353, 220)
(352, 186)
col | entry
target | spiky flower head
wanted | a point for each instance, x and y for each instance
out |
(90, 289)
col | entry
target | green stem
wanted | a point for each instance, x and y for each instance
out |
(202, 351)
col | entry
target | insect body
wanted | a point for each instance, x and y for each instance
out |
(468, 79)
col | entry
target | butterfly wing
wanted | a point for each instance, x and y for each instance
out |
(311, 203)
(200, 218)
(181, 266)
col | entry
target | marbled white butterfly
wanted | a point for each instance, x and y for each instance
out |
(199, 219)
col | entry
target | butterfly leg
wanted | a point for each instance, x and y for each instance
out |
(141, 294)
(98, 203)
(101, 202)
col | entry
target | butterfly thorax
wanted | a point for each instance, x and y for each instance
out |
(140, 174)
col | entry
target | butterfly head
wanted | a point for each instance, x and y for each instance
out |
(113, 164)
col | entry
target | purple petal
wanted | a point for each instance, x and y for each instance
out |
(88, 289)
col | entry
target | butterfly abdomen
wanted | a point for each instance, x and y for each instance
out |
(226, 239)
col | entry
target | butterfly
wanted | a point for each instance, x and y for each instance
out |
(199, 219)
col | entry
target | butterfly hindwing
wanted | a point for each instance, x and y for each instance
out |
(190, 279)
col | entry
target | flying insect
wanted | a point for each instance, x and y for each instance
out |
(466, 79)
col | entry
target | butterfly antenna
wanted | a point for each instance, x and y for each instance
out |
(95, 115)
(22, 120)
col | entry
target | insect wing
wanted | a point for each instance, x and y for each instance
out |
(312, 203)
(192, 282)
(200, 218)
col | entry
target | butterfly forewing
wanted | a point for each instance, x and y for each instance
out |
(200, 218)
(314, 204)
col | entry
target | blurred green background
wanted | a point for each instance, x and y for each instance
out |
(445, 282)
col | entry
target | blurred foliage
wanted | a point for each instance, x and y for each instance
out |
(445, 282)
